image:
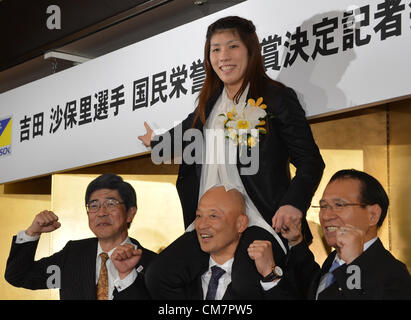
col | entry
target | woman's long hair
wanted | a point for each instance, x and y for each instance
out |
(255, 73)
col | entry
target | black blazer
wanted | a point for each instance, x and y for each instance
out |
(77, 263)
(245, 283)
(288, 139)
(382, 276)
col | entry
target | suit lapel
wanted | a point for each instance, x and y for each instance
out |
(229, 294)
(328, 262)
(143, 260)
(312, 292)
(371, 254)
(199, 289)
(88, 267)
(195, 289)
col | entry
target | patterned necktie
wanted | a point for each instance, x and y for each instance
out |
(330, 276)
(102, 284)
(216, 273)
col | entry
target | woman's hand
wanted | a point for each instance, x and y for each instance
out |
(286, 215)
(291, 230)
(146, 139)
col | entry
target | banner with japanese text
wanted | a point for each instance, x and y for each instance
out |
(337, 55)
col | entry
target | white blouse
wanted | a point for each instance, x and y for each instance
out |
(219, 166)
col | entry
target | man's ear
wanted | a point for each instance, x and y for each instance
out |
(375, 214)
(242, 223)
(131, 213)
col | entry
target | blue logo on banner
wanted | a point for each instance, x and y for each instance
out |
(5, 136)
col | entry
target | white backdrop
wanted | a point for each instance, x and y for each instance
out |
(94, 112)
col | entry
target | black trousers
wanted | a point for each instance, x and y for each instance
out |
(183, 261)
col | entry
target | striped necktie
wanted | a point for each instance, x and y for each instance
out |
(216, 273)
(330, 276)
(102, 284)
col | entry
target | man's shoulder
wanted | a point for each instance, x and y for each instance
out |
(146, 251)
(388, 259)
(81, 243)
(379, 259)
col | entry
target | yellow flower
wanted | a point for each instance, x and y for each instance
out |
(252, 141)
(261, 123)
(243, 124)
(232, 134)
(231, 114)
(262, 130)
(257, 103)
(251, 102)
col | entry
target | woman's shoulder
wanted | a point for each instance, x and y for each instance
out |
(280, 99)
(276, 87)
(276, 92)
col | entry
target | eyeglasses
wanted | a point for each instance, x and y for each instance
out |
(109, 204)
(337, 207)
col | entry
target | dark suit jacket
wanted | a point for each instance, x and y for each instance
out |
(381, 275)
(288, 139)
(77, 263)
(245, 282)
(195, 292)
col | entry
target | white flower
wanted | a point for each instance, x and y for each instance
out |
(239, 121)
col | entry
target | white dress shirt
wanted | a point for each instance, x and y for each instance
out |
(219, 162)
(225, 279)
(114, 280)
(323, 279)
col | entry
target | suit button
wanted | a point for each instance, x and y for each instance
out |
(339, 289)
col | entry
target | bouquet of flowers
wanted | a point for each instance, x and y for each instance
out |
(243, 125)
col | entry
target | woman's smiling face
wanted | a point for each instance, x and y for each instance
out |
(229, 58)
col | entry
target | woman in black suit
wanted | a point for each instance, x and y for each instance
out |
(234, 74)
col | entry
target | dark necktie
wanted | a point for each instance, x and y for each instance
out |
(330, 276)
(102, 284)
(216, 273)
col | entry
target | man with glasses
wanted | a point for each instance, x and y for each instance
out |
(352, 209)
(110, 266)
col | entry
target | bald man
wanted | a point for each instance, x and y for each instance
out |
(223, 268)
(220, 222)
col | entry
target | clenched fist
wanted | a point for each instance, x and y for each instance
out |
(125, 257)
(261, 252)
(350, 243)
(45, 221)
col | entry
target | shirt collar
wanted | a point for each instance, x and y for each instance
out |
(241, 101)
(226, 266)
(100, 250)
(369, 243)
